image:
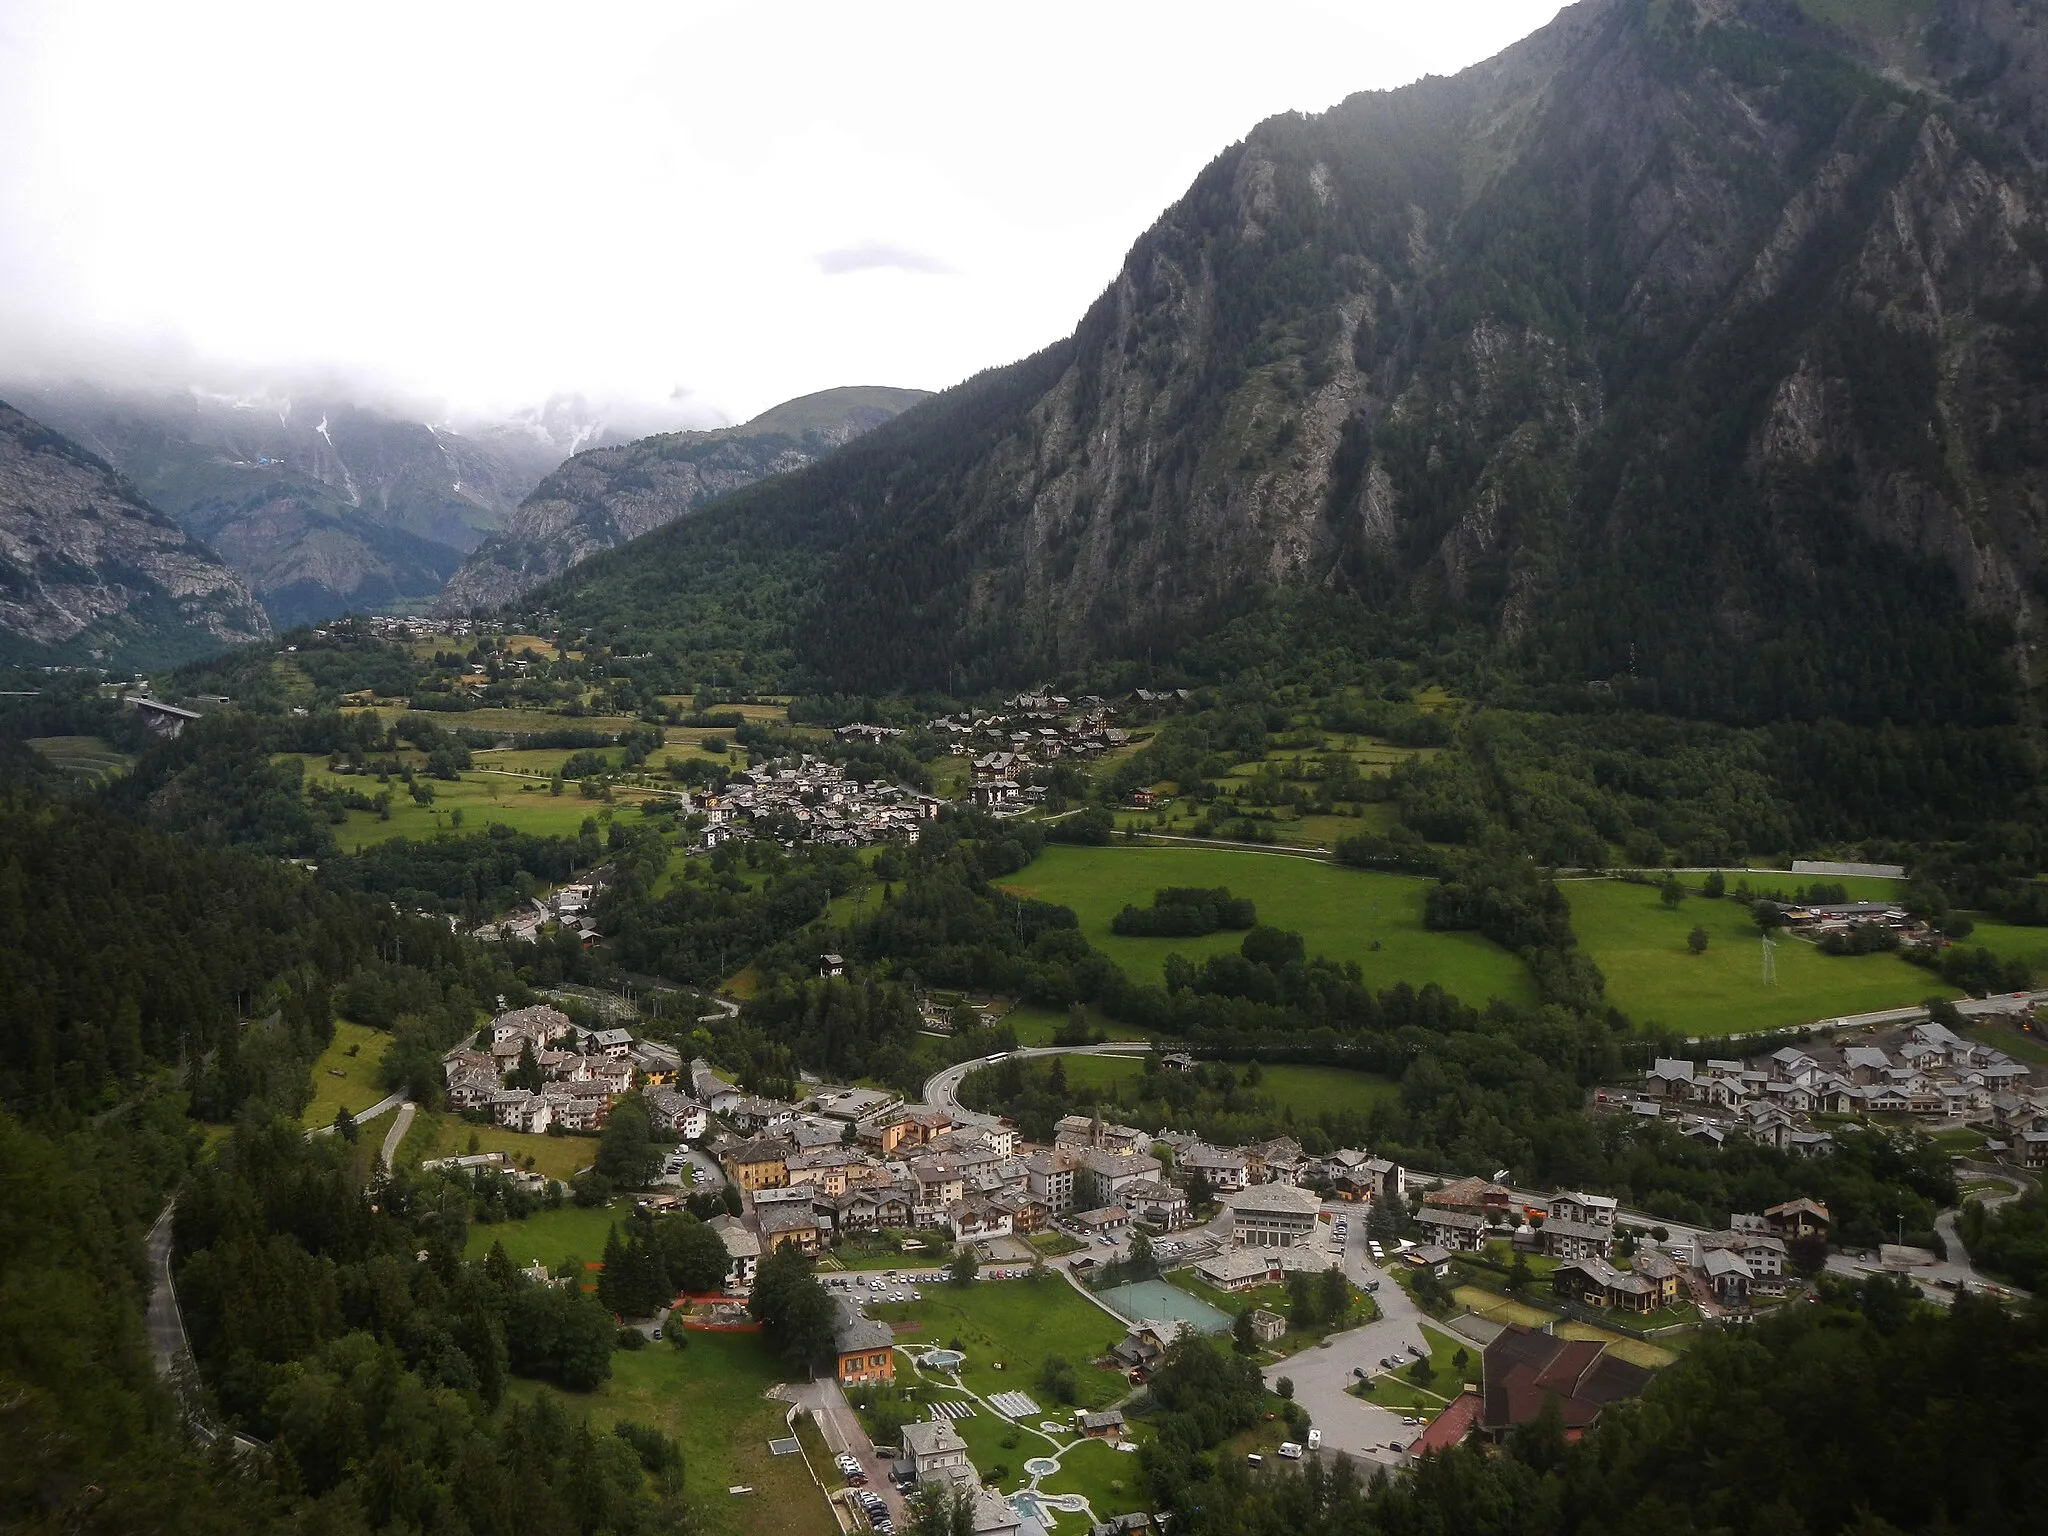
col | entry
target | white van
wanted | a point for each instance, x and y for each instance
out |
(1315, 1439)
(1289, 1451)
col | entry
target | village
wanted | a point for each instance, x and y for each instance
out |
(1551, 1298)
(1922, 1072)
(807, 799)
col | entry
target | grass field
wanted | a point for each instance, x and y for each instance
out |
(1784, 887)
(440, 1135)
(709, 1397)
(1036, 1026)
(574, 1231)
(1499, 1308)
(1634, 1351)
(1017, 1323)
(1340, 913)
(1640, 947)
(1308, 1091)
(83, 757)
(2030, 1046)
(2009, 941)
(483, 798)
(345, 1076)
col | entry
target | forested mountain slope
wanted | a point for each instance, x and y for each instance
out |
(606, 496)
(1690, 348)
(90, 573)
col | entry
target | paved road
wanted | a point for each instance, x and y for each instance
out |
(1938, 1280)
(389, 1101)
(709, 1177)
(1349, 1424)
(388, 1154)
(1968, 1007)
(170, 1350)
(843, 1434)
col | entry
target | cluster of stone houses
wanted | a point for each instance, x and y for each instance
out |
(568, 908)
(1029, 730)
(1579, 1230)
(808, 799)
(1929, 1072)
(581, 1071)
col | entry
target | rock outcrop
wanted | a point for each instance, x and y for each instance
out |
(606, 496)
(90, 573)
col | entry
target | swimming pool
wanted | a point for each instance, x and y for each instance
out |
(1155, 1301)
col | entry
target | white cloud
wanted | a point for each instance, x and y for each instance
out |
(491, 202)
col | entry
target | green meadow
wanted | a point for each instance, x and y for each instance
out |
(483, 798)
(1308, 1091)
(1344, 914)
(345, 1075)
(712, 1398)
(1640, 947)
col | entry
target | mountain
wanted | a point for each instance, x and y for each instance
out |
(1693, 349)
(603, 497)
(320, 503)
(91, 573)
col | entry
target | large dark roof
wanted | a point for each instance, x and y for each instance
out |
(1523, 1370)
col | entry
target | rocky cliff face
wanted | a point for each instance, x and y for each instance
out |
(1695, 343)
(606, 496)
(320, 504)
(91, 573)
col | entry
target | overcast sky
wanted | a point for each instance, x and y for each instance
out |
(730, 204)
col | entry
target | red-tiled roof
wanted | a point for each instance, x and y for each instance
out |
(1449, 1427)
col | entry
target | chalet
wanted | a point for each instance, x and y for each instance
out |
(519, 1110)
(1471, 1195)
(1588, 1210)
(615, 1043)
(1728, 1275)
(977, 1220)
(1156, 1204)
(1662, 1272)
(1596, 1283)
(1670, 1078)
(1081, 1133)
(1429, 1256)
(1577, 1240)
(1108, 1424)
(865, 1348)
(1458, 1231)
(742, 1251)
(788, 1226)
(1100, 1178)
(934, 1450)
(1798, 1218)
(1227, 1172)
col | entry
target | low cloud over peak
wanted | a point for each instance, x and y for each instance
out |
(879, 256)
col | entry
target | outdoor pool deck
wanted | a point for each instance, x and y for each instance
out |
(1156, 1301)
